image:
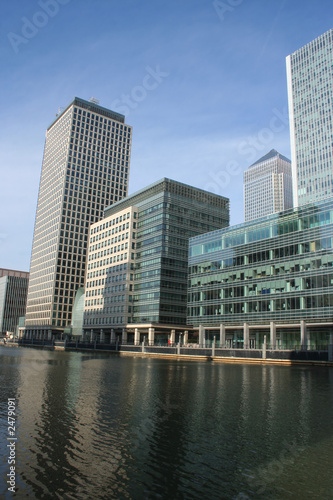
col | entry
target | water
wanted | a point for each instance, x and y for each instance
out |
(99, 426)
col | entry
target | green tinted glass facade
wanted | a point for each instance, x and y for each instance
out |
(169, 213)
(278, 268)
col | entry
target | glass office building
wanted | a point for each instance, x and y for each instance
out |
(267, 186)
(85, 168)
(310, 96)
(274, 269)
(138, 255)
(13, 298)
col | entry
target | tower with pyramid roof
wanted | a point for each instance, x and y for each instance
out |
(267, 186)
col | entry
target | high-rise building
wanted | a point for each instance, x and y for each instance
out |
(138, 256)
(85, 168)
(310, 96)
(267, 276)
(267, 186)
(13, 298)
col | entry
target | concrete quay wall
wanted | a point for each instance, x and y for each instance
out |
(319, 357)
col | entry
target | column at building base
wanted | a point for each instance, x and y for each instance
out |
(330, 348)
(246, 336)
(264, 348)
(303, 335)
(112, 336)
(136, 336)
(201, 336)
(222, 335)
(102, 336)
(151, 336)
(272, 330)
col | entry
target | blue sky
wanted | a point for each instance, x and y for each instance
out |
(202, 82)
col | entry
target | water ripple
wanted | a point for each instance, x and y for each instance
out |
(96, 426)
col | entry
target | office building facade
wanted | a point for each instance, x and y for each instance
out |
(277, 270)
(138, 256)
(110, 271)
(13, 298)
(267, 186)
(85, 168)
(310, 97)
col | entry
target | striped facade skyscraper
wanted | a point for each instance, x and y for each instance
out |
(85, 169)
(310, 96)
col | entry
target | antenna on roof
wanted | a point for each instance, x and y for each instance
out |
(60, 110)
(94, 100)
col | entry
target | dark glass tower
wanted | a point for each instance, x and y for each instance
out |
(138, 255)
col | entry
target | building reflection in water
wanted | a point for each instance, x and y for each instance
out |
(100, 425)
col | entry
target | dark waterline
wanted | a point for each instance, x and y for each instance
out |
(100, 426)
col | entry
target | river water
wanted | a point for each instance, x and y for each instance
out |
(99, 426)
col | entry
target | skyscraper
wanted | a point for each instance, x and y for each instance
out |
(85, 168)
(267, 186)
(310, 96)
(13, 298)
(138, 256)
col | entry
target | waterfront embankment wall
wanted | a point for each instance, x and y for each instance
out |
(285, 357)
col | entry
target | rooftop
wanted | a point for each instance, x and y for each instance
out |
(272, 154)
(313, 42)
(90, 106)
(13, 272)
(170, 185)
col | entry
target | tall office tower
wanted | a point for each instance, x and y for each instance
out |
(268, 186)
(13, 298)
(310, 96)
(85, 168)
(138, 256)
